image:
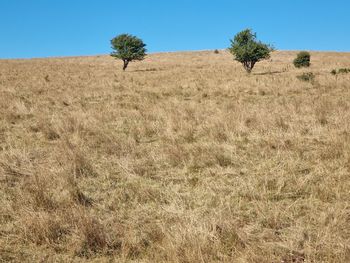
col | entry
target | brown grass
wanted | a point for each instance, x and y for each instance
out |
(183, 158)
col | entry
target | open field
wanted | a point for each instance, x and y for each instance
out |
(182, 158)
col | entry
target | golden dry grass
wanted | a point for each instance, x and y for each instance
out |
(183, 158)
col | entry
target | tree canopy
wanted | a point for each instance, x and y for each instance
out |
(128, 48)
(248, 50)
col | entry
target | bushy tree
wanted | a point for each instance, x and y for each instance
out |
(302, 60)
(248, 50)
(128, 48)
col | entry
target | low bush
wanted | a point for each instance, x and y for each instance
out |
(302, 60)
(308, 77)
(344, 70)
(340, 71)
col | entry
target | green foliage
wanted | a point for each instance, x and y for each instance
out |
(344, 70)
(340, 71)
(308, 77)
(128, 48)
(248, 50)
(302, 60)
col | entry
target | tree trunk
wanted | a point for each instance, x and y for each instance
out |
(248, 69)
(126, 62)
(248, 66)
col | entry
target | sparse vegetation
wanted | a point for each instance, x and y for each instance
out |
(307, 76)
(216, 51)
(344, 70)
(192, 161)
(340, 71)
(128, 48)
(248, 50)
(302, 60)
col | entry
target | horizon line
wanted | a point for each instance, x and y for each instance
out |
(164, 52)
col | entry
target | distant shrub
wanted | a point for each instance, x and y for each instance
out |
(340, 71)
(334, 72)
(302, 60)
(216, 51)
(308, 77)
(344, 70)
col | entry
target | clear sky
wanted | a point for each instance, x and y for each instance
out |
(44, 28)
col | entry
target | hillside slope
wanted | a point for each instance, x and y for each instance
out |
(183, 158)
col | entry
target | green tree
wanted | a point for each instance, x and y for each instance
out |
(128, 48)
(248, 50)
(302, 60)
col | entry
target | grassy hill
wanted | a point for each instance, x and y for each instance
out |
(183, 158)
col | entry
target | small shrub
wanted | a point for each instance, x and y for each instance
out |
(340, 71)
(302, 60)
(344, 70)
(308, 77)
(216, 51)
(334, 72)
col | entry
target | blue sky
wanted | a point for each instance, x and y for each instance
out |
(45, 28)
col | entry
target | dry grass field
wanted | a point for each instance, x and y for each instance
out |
(182, 158)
